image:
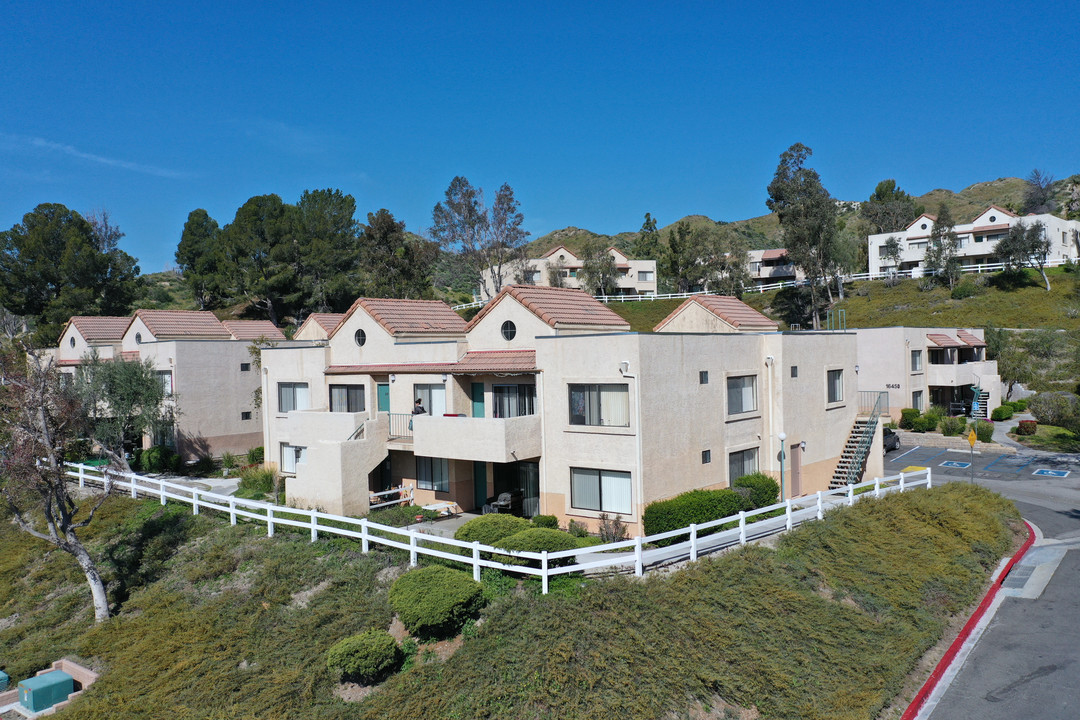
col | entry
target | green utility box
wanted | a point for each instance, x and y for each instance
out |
(42, 692)
(4, 680)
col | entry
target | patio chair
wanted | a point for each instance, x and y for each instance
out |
(502, 504)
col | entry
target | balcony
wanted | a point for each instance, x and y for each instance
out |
(499, 440)
(775, 271)
(307, 427)
(970, 373)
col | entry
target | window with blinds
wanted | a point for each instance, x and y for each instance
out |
(741, 394)
(602, 405)
(601, 490)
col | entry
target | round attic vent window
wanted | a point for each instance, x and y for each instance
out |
(993, 218)
(509, 330)
(360, 337)
(923, 226)
(138, 338)
(72, 342)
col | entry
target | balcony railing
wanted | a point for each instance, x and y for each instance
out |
(871, 399)
(401, 426)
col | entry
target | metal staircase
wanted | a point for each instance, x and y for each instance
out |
(984, 400)
(853, 459)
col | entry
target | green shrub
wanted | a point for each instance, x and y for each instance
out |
(926, 423)
(1051, 408)
(964, 290)
(1027, 427)
(953, 426)
(538, 540)
(612, 529)
(78, 450)
(435, 601)
(546, 521)
(984, 431)
(764, 490)
(367, 657)
(577, 529)
(256, 455)
(907, 417)
(936, 412)
(257, 479)
(1020, 405)
(401, 515)
(490, 529)
(696, 506)
(229, 460)
(159, 459)
(1002, 412)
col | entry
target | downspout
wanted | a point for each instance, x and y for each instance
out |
(624, 368)
(770, 362)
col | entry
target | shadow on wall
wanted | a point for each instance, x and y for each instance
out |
(192, 448)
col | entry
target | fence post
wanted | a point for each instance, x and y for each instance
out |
(787, 503)
(412, 549)
(161, 489)
(544, 567)
(820, 510)
(850, 494)
(693, 542)
(194, 501)
(901, 482)
(638, 566)
(131, 482)
(269, 521)
(365, 544)
(742, 527)
(476, 561)
(927, 478)
(82, 475)
(314, 526)
(877, 487)
(232, 512)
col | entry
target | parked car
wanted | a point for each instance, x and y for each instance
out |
(890, 440)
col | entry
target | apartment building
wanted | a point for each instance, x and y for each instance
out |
(635, 277)
(772, 266)
(205, 367)
(318, 326)
(925, 367)
(978, 239)
(546, 394)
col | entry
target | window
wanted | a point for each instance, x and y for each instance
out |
(347, 398)
(509, 330)
(165, 377)
(532, 276)
(245, 415)
(743, 462)
(245, 367)
(138, 338)
(835, 382)
(606, 405)
(72, 340)
(513, 400)
(433, 474)
(360, 337)
(742, 394)
(916, 400)
(291, 456)
(645, 276)
(916, 360)
(432, 396)
(292, 396)
(703, 377)
(706, 457)
(600, 490)
(794, 371)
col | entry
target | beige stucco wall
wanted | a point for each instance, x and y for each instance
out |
(487, 333)
(500, 440)
(334, 475)
(65, 351)
(137, 327)
(381, 347)
(693, 318)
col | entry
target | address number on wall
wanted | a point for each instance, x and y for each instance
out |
(892, 386)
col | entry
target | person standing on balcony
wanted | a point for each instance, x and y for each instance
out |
(418, 409)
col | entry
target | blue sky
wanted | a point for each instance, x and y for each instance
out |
(594, 112)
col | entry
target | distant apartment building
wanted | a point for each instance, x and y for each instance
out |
(772, 266)
(205, 367)
(547, 396)
(561, 266)
(925, 367)
(978, 239)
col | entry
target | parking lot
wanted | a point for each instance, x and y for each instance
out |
(984, 465)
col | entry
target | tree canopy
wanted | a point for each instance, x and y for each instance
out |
(940, 261)
(1025, 246)
(1039, 193)
(55, 264)
(647, 245)
(889, 209)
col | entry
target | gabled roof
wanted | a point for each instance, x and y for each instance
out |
(253, 329)
(409, 317)
(327, 321)
(731, 310)
(928, 216)
(1000, 210)
(476, 362)
(182, 323)
(558, 306)
(100, 328)
(942, 340)
(969, 339)
(617, 252)
(554, 250)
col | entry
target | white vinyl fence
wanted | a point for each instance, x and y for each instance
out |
(639, 552)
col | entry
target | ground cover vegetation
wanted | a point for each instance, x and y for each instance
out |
(215, 621)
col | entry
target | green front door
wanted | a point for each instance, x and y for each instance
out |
(383, 396)
(478, 400)
(480, 495)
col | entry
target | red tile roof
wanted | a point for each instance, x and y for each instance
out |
(327, 321)
(774, 254)
(1001, 210)
(928, 216)
(253, 329)
(553, 250)
(558, 306)
(182, 323)
(99, 328)
(943, 340)
(409, 317)
(731, 310)
(990, 228)
(477, 362)
(130, 356)
(969, 339)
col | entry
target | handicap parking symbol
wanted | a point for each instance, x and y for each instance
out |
(1044, 472)
(955, 464)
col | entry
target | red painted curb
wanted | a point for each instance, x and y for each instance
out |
(965, 633)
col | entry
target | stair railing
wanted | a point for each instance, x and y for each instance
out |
(851, 473)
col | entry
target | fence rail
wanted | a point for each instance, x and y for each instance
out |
(640, 553)
(853, 277)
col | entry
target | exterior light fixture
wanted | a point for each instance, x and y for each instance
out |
(393, 377)
(782, 437)
(856, 369)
